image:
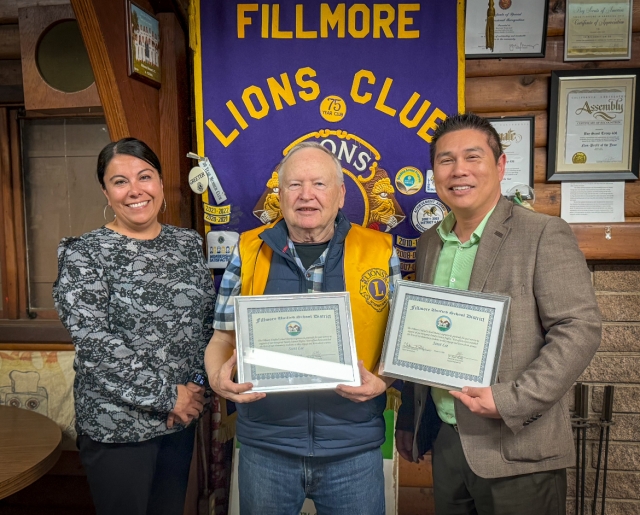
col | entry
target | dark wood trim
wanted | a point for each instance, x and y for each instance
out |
(18, 212)
(622, 245)
(33, 331)
(9, 41)
(102, 69)
(174, 125)
(3, 245)
(10, 272)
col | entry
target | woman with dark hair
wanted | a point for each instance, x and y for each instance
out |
(137, 298)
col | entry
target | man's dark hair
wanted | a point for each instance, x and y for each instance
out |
(461, 122)
(129, 147)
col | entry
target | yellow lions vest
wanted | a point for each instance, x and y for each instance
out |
(366, 270)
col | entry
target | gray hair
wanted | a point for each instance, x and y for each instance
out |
(317, 146)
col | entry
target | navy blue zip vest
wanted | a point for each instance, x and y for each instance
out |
(320, 423)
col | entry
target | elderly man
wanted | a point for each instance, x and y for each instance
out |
(324, 445)
(501, 450)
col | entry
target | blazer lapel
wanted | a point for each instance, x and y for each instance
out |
(428, 272)
(493, 236)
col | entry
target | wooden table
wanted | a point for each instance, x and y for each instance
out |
(29, 447)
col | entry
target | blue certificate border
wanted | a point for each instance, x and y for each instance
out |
(449, 304)
(316, 307)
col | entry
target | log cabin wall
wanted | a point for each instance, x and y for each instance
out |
(520, 87)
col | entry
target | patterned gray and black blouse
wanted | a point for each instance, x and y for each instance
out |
(139, 313)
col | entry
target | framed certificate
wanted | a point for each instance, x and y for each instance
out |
(295, 342)
(444, 337)
(597, 30)
(593, 123)
(505, 28)
(517, 138)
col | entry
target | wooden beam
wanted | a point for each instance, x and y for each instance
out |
(553, 61)
(103, 70)
(9, 8)
(174, 124)
(622, 245)
(9, 41)
(515, 92)
(11, 91)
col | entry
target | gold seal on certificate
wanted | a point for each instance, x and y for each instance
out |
(444, 337)
(295, 342)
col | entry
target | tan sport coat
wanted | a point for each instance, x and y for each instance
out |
(553, 332)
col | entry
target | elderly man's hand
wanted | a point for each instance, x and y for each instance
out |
(478, 400)
(222, 383)
(371, 386)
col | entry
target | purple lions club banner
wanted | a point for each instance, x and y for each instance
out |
(369, 81)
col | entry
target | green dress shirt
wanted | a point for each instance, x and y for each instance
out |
(454, 271)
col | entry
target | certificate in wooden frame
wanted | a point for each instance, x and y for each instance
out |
(598, 30)
(517, 135)
(444, 337)
(143, 45)
(520, 28)
(593, 122)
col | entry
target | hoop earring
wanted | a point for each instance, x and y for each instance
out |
(164, 205)
(104, 213)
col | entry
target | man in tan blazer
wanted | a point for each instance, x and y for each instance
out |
(501, 450)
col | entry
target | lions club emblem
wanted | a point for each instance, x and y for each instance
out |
(374, 287)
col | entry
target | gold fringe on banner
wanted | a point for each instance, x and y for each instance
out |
(393, 399)
(489, 31)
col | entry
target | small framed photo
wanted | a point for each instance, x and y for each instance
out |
(517, 135)
(593, 123)
(505, 28)
(444, 337)
(295, 342)
(598, 30)
(143, 45)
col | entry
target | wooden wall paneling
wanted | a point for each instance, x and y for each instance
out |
(491, 94)
(11, 91)
(174, 123)
(548, 201)
(9, 41)
(105, 76)
(9, 8)
(621, 245)
(553, 61)
(38, 94)
(10, 270)
(18, 212)
(540, 165)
